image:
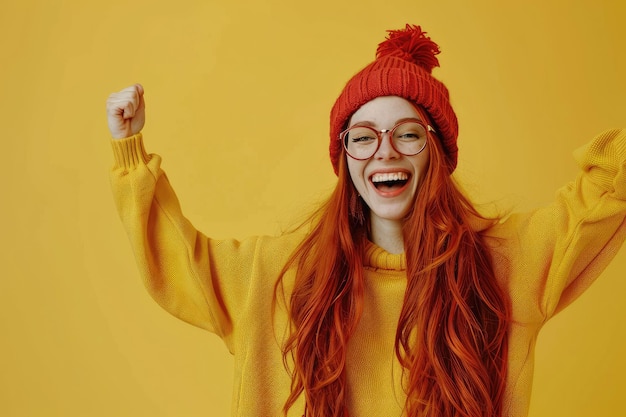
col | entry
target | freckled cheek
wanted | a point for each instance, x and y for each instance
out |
(357, 176)
(421, 164)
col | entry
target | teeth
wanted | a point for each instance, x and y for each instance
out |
(392, 176)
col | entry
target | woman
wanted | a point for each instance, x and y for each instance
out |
(399, 299)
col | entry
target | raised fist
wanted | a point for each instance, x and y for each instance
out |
(126, 112)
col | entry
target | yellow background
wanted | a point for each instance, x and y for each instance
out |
(238, 95)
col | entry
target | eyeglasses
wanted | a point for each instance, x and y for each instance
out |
(408, 138)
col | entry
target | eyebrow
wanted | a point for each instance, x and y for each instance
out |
(372, 124)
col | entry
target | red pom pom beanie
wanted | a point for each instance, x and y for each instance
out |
(403, 66)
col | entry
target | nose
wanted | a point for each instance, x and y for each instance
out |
(386, 151)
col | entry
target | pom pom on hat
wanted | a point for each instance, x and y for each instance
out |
(410, 44)
(403, 67)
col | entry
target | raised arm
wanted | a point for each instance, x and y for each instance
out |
(551, 256)
(202, 281)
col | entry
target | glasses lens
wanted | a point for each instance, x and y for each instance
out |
(360, 142)
(409, 138)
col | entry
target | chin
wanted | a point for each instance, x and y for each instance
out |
(392, 214)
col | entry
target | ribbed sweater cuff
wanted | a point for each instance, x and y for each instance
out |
(129, 152)
(604, 159)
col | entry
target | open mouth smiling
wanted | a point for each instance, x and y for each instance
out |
(389, 181)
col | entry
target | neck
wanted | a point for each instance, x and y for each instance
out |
(387, 234)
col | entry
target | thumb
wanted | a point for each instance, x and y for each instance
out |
(139, 89)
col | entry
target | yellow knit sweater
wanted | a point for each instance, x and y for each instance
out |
(545, 259)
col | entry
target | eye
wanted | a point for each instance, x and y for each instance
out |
(408, 132)
(357, 139)
(361, 135)
(408, 136)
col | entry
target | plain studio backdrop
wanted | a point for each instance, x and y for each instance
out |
(238, 96)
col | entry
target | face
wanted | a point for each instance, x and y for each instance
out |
(388, 181)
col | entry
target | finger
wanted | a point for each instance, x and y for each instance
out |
(135, 91)
(124, 103)
(141, 106)
(129, 110)
(115, 107)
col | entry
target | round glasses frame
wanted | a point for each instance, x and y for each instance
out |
(343, 136)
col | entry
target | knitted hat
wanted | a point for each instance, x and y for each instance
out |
(403, 66)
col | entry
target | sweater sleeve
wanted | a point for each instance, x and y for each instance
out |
(554, 254)
(203, 281)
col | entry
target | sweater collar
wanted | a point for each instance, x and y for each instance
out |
(378, 258)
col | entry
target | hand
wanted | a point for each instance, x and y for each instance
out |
(126, 112)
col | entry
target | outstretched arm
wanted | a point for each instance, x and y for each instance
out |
(552, 255)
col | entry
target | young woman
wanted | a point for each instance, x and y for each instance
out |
(398, 298)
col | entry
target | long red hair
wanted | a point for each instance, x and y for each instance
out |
(451, 338)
